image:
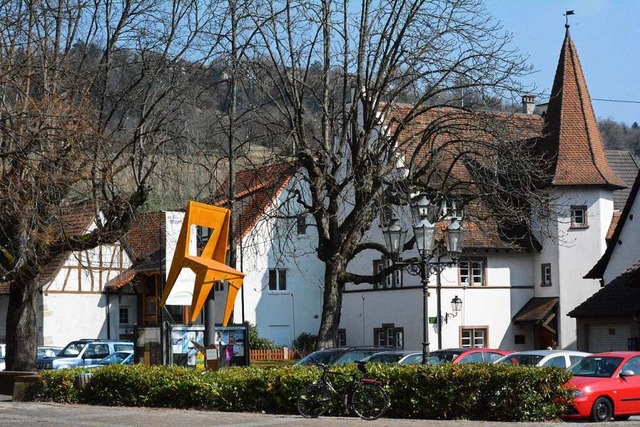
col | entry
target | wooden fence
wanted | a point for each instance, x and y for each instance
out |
(277, 354)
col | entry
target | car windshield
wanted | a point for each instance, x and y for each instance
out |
(322, 356)
(602, 367)
(412, 358)
(72, 349)
(385, 358)
(441, 357)
(352, 356)
(522, 359)
(114, 358)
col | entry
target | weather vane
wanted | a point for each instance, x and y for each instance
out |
(566, 17)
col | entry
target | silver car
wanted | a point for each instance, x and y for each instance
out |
(558, 358)
(83, 352)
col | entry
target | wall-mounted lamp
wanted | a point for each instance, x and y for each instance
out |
(456, 306)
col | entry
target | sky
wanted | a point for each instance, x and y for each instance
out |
(606, 34)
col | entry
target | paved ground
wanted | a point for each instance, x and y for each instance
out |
(54, 414)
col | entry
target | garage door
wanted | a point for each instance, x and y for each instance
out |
(608, 337)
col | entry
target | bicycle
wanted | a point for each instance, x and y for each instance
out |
(365, 397)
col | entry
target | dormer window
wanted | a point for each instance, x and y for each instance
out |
(579, 217)
(452, 209)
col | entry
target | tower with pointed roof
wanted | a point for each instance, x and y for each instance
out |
(581, 184)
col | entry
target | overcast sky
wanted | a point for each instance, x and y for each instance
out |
(606, 34)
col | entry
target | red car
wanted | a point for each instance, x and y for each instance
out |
(606, 385)
(457, 355)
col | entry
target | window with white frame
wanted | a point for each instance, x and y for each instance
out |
(579, 217)
(474, 337)
(472, 271)
(546, 274)
(389, 336)
(452, 208)
(393, 280)
(277, 279)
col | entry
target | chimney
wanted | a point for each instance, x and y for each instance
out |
(528, 104)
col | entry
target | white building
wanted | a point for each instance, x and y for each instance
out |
(609, 319)
(515, 294)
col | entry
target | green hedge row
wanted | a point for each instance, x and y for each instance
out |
(475, 392)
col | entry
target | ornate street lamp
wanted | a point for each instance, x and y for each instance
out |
(394, 237)
(425, 214)
(455, 232)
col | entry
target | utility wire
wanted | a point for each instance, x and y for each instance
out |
(615, 100)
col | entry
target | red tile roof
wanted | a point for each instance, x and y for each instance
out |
(147, 234)
(75, 220)
(256, 189)
(571, 138)
(434, 139)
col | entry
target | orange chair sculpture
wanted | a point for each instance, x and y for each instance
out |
(209, 267)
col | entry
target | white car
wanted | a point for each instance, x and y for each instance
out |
(558, 358)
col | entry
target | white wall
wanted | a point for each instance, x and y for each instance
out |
(508, 287)
(281, 315)
(68, 317)
(627, 249)
(578, 251)
(74, 303)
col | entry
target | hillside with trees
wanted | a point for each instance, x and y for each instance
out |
(619, 136)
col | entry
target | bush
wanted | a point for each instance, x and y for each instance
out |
(304, 344)
(257, 343)
(474, 392)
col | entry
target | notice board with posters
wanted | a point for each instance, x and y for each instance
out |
(233, 345)
(232, 342)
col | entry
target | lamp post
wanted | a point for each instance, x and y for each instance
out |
(424, 231)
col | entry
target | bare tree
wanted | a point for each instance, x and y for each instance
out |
(90, 91)
(333, 76)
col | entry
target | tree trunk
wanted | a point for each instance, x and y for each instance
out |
(21, 326)
(331, 307)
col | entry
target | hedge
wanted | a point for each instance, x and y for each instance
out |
(465, 391)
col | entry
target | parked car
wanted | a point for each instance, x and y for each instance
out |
(558, 358)
(117, 358)
(338, 355)
(83, 352)
(606, 385)
(457, 355)
(389, 356)
(47, 351)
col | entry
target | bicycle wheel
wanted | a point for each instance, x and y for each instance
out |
(314, 400)
(369, 401)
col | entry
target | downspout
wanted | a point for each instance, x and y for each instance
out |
(108, 320)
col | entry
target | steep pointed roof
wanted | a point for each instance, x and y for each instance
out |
(571, 140)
